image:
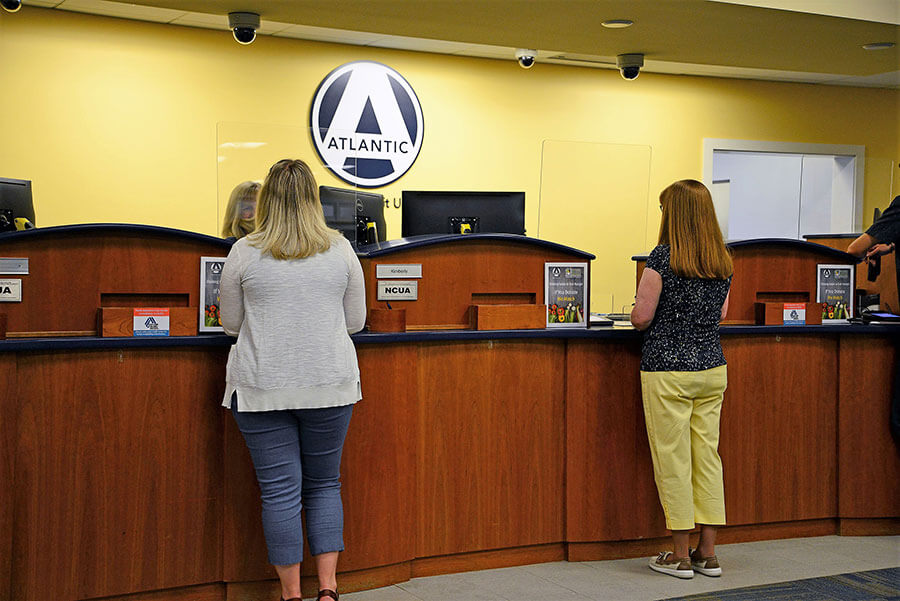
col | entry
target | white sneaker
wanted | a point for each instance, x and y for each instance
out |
(666, 563)
(708, 566)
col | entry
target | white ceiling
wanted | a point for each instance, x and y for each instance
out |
(358, 29)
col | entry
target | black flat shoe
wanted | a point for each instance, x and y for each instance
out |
(327, 592)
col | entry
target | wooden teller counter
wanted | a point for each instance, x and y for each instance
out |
(121, 477)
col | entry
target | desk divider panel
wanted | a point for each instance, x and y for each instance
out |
(462, 271)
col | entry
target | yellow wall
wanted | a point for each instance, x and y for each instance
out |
(117, 121)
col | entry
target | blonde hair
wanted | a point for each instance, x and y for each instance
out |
(289, 219)
(690, 228)
(233, 224)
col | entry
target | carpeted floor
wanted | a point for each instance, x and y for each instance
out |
(876, 585)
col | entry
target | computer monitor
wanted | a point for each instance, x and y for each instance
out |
(428, 212)
(356, 214)
(15, 202)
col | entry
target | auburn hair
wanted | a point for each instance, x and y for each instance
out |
(289, 219)
(690, 228)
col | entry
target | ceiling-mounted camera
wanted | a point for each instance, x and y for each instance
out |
(243, 26)
(11, 5)
(630, 65)
(526, 57)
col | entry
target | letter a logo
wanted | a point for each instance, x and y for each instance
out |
(366, 124)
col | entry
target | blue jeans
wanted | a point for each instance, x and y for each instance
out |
(297, 455)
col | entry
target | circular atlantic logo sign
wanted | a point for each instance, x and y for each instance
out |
(366, 124)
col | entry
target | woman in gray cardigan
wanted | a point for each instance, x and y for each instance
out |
(292, 292)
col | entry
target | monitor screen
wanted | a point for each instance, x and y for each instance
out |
(367, 218)
(15, 200)
(463, 212)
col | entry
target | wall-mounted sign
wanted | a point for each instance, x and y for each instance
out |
(398, 290)
(834, 288)
(11, 291)
(566, 294)
(366, 124)
(413, 270)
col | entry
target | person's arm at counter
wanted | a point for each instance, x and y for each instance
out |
(647, 299)
(231, 294)
(725, 306)
(859, 246)
(881, 236)
(868, 247)
(355, 295)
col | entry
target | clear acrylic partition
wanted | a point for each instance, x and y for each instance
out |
(882, 185)
(596, 198)
(246, 151)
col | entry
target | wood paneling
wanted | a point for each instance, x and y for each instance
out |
(508, 317)
(486, 560)
(118, 472)
(869, 527)
(454, 273)
(119, 321)
(377, 473)
(70, 271)
(772, 269)
(885, 285)
(348, 582)
(9, 418)
(770, 272)
(491, 445)
(732, 534)
(779, 428)
(203, 592)
(379, 470)
(869, 459)
(610, 492)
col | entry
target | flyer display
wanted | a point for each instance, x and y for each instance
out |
(834, 289)
(566, 294)
(210, 274)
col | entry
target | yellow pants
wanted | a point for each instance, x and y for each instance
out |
(682, 410)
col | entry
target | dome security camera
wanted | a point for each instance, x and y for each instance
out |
(243, 26)
(11, 5)
(526, 57)
(630, 65)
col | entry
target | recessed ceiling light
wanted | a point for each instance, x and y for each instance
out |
(618, 23)
(879, 45)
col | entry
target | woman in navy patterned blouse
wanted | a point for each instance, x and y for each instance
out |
(682, 297)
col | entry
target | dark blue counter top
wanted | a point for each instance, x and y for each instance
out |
(788, 243)
(366, 337)
(380, 249)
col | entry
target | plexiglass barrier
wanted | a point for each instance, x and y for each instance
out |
(595, 197)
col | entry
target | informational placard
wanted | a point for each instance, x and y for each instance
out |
(151, 322)
(11, 290)
(412, 270)
(210, 275)
(794, 314)
(834, 288)
(566, 294)
(13, 265)
(389, 290)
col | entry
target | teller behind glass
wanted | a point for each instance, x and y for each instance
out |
(292, 292)
(880, 239)
(240, 212)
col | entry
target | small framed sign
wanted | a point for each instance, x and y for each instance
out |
(210, 274)
(834, 289)
(566, 294)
